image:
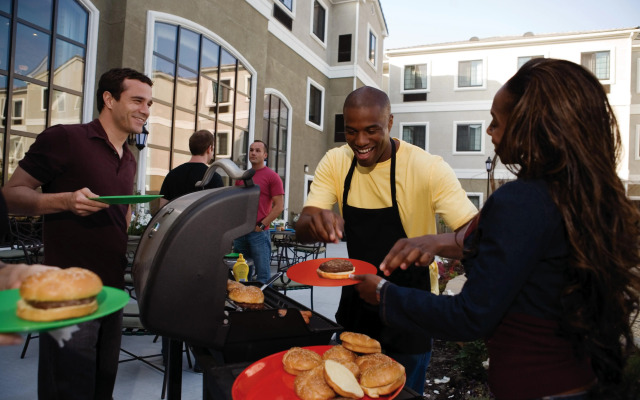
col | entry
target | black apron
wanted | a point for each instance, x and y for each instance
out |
(370, 235)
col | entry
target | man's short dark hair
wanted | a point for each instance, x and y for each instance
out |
(200, 141)
(112, 82)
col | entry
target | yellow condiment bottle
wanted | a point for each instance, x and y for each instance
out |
(241, 269)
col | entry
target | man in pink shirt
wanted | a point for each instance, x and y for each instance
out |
(257, 243)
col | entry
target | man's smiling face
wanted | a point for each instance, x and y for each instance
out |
(367, 133)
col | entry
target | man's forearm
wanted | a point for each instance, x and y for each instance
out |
(26, 201)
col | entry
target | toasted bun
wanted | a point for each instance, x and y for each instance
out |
(369, 360)
(338, 352)
(231, 285)
(384, 390)
(382, 379)
(61, 285)
(311, 385)
(247, 294)
(298, 360)
(334, 275)
(25, 311)
(359, 343)
(342, 380)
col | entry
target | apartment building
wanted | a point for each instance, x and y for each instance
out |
(441, 94)
(275, 70)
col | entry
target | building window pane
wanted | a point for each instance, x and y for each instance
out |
(523, 60)
(288, 4)
(597, 62)
(5, 25)
(63, 110)
(415, 134)
(415, 77)
(37, 12)
(469, 137)
(276, 122)
(189, 49)
(470, 73)
(315, 105)
(318, 20)
(372, 48)
(72, 21)
(344, 48)
(32, 53)
(69, 66)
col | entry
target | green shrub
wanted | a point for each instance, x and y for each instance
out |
(470, 359)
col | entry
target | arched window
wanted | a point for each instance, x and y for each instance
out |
(43, 50)
(198, 84)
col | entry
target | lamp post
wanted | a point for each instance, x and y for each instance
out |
(488, 164)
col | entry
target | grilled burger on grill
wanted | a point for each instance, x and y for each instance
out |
(58, 294)
(338, 268)
(248, 297)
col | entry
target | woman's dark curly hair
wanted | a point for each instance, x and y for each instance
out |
(562, 129)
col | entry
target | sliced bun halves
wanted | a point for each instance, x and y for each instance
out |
(342, 380)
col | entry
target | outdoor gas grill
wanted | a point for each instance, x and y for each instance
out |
(180, 279)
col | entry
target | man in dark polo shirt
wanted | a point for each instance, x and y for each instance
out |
(73, 163)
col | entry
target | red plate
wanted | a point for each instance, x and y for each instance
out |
(267, 379)
(305, 272)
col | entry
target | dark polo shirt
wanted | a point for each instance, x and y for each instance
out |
(66, 158)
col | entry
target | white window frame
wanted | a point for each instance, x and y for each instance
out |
(637, 151)
(322, 42)
(426, 131)
(322, 91)
(292, 12)
(371, 32)
(307, 179)
(428, 78)
(612, 64)
(455, 137)
(484, 75)
(638, 75)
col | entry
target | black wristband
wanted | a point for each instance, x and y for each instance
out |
(261, 225)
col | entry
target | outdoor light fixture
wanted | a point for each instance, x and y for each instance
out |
(139, 139)
(488, 164)
(306, 169)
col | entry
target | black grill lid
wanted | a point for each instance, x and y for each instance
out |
(178, 270)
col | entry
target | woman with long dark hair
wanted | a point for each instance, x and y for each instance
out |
(552, 259)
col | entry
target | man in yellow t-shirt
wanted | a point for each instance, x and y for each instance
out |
(387, 190)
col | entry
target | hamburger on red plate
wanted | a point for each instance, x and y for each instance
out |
(338, 268)
(59, 294)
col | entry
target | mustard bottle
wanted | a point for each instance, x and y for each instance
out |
(241, 269)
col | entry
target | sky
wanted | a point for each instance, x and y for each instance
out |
(418, 22)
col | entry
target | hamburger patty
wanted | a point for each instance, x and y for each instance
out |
(45, 305)
(337, 265)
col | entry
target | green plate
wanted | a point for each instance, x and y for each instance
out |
(109, 299)
(133, 199)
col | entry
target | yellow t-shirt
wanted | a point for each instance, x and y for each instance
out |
(425, 186)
